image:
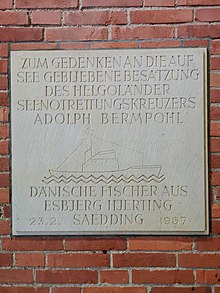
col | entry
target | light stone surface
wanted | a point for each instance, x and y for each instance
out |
(109, 142)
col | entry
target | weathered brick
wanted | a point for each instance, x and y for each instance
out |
(144, 260)
(153, 243)
(16, 289)
(3, 66)
(195, 43)
(4, 164)
(66, 290)
(46, 4)
(13, 17)
(215, 178)
(182, 290)
(197, 2)
(6, 4)
(163, 277)
(5, 227)
(14, 34)
(215, 161)
(215, 63)
(214, 129)
(208, 244)
(4, 50)
(114, 277)
(199, 31)
(142, 32)
(33, 46)
(29, 259)
(159, 3)
(113, 44)
(161, 16)
(215, 47)
(199, 260)
(95, 244)
(76, 33)
(3, 99)
(95, 17)
(160, 44)
(6, 259)
(207, 276)
(67, 277)
(15, 276)
(215, 79)
(3, 82)
(215, 211)
(4, 179)
(46, 17)
(111, 3)
(211, 14)
(3, 114)
(32, 244)
(4, 147)
(79, 260)
(4, 193)
(215, 95)
(114, 290)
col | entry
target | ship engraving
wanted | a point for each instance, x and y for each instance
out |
(96, 160)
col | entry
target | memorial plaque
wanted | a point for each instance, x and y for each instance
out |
(109, 142)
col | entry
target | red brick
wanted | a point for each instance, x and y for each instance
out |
(96, 244)
(5, 227)
(4, 195)
(66, 276)
(71, 46)
(217, 289)
(46, 17)
(7, 211)
(163, 277)
(208, 244)
(153, 243)
(4, 164)
(208, 276)
(161, 16)
(13, 17)
(199, 260)
(32, 244)
(66, 290)
(215, 211)
(215, 178)
(79, 260)
(215, 47)
(199, 31)
(16, 276)
(3, 114)
(160, 44)
(198, 2)
(23, 290)
(3, 82)
(4, 50)
(111, 3)
(159, 3)
(144, 260)
(196, 43)
(182, 290)
(15, 34)
(114, 277)
(3, 66)
(215, 161)
(114, 290)
(29, 260)
(142, 32)
(6, 259)
(3, 99)
(6, 4)
(76, 33)
(215, 129)
(211, 14)
(215, 63)
(215, 95)
(215, 79)
(4, 180)
(46, 4)
(4, 131)
(215, 227)
(114, 45)
(95, 17)
(33, 46)
(4, 147)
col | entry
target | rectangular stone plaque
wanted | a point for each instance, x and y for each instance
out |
(109, 142)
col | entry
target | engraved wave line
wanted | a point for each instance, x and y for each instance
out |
(102, 178)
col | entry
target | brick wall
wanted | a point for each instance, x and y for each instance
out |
(110, 264)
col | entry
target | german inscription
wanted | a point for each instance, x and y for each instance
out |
(109, 142)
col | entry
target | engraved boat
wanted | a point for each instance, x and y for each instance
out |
(88, 163)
